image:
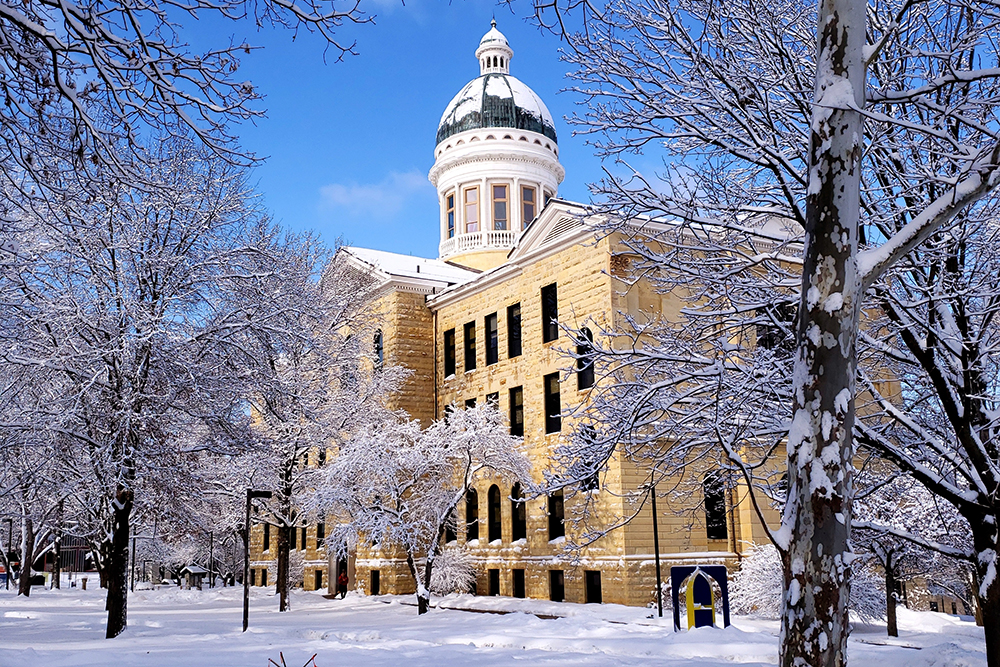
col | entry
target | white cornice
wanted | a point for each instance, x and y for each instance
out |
(499, 156)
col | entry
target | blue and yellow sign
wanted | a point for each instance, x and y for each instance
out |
(699, 584)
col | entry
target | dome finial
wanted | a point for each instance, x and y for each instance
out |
(494, 53)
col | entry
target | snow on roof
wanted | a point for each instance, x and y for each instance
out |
(496, 100)
(408, 266)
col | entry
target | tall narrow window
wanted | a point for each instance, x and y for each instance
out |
(518, 515)
(379, 350)
(585, 360)
(321, 457)
(493, 512)
(293, 533)
(320, 534)
(267, 537)
(471, 515)
(449, 352)
(553, 408)
(517, 411)
(527, 206)
(472, 210)
(470, 346)
(303, 542)
(450, 529)
(557, 528)
(492, 340)
(500, 208)
(715, 507)
(514, 330)
(451, 214)
(557, 586)
(550, 313)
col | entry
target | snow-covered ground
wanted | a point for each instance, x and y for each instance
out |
(193, 628)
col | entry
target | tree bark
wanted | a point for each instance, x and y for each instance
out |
(988, 596)
(281, 585)
(27, 556)
(890, 599)
(817, 518)
(117, 567)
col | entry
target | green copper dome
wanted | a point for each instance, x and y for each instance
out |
(496, 100)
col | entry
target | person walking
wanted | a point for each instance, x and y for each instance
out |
(342, 584)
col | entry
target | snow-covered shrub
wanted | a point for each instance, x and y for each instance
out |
(296, 568)
(665, 592)
(756, 587)
(453, 572)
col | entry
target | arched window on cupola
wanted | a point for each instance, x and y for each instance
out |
(501, 61)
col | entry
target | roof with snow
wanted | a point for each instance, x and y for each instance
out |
(413, 268)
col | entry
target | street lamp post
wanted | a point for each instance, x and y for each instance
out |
(656, 552)
(251, 494)
(211, 561)
(6, 557)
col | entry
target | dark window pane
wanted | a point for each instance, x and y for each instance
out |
(493, 513)
(550, 313)
(492, 340)
(471, 515)
(557, 591)
(379, 352)
(493, 399)
(518, 515)
(470, 403)
(514, 330)
(715, 507)
(449, 352)
(585, 360)
(517, 411)
(553, 420)
(470, 346)
(557, 528)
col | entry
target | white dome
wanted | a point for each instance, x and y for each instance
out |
(496, 100)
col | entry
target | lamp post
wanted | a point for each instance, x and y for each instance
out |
(211, 561)
(656, 551)
(251, 494)
(6, 556)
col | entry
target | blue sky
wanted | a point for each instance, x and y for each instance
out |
(349, 144)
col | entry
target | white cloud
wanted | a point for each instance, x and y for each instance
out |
(377, 201)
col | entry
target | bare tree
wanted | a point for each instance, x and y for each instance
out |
(870, 133)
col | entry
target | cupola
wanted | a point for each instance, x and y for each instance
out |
(496, 160)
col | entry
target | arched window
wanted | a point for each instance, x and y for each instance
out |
(471, 515)
(379, 352)
(493, 512)
(585, 360)
(450, 531)
(501, 61)
(715, 507)
(518, 518)
(494, 61)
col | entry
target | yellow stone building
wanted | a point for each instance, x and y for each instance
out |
(486, 321)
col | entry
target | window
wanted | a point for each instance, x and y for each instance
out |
(379, 352)
(471, 515)
(376, 586)
(550, 314)
(592, 579)
(553, 420)
(267, 537)
(263, 577)
(593, 481)
(320, 533)
(494, 581)
(518, 516)
(527, 206)
(715, 507)
(292, 534)
(470, 403)
(514, 330)
(517, 577)
(472, 210)
(585, 360)
(450, 531)
(451, 214)
(493, 513)
(557, 589)
(517, 411)
(253, 577)
(303, 542)
(318, 583)
(470, 346)
(557, 528)
(492, 340)
(449, 352)
(493, 399)
(777, 329)
(321, 456)
(500, 207)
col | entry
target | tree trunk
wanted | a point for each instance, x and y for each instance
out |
(890, 600)
(988, 594)
(817, 517)
(56, 564)
(27, 556)
(281, 585)
(423, 594)
(117, 566)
